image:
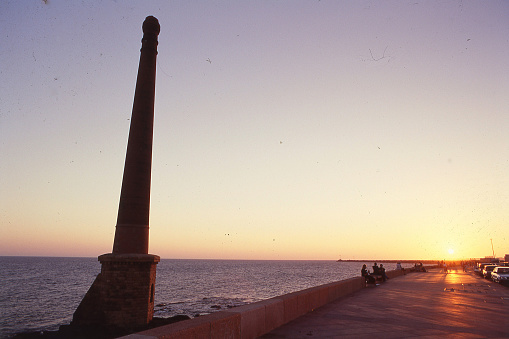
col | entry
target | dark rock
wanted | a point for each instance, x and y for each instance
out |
(156, 322)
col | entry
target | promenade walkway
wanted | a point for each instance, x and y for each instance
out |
(431, 304)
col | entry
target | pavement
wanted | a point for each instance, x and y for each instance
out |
(426, 304)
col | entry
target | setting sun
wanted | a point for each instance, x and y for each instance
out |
(451, 251)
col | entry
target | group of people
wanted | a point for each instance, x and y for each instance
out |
(377, 271)
(419, 267)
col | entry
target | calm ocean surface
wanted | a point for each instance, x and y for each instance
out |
(41, 293)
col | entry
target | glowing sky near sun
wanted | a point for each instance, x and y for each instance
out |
(283, 129)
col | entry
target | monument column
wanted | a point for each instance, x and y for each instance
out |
(122, 295)
(131, 234)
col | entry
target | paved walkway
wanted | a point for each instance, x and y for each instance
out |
(432, 304)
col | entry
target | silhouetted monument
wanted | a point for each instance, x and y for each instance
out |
(122, 295)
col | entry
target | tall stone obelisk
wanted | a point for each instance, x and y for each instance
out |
(122, 295)
(131, 235)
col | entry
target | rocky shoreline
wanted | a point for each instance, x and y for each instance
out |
(68, 331)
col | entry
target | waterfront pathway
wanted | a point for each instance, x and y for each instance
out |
(431, 304)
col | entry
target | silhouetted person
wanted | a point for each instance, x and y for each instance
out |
(382, 272)
(367, 278)
(376, 269)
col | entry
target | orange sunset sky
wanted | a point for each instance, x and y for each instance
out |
(283, 129)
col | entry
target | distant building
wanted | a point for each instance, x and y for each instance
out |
(488, 259)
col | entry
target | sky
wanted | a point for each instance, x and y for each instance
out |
(283, 129)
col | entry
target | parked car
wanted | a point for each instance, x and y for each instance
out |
(486, 271)
(500, 275)
(481, 267)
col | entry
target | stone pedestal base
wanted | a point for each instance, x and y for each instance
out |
(122, 295)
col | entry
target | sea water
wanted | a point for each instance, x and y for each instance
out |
(42, 293)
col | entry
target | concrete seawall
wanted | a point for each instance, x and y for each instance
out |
(256, 319)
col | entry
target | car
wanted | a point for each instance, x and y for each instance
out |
(481, 267)
(486, 271)
(500, 275)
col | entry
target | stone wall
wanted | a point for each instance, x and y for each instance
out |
(256, 319)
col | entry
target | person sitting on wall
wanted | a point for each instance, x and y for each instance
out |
(419, 267)
(423, 269)
(376, 269)
(382, 272)
(367, 278)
